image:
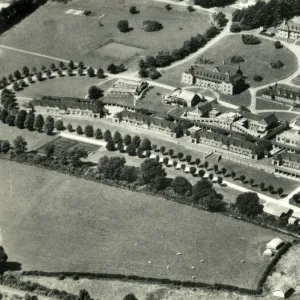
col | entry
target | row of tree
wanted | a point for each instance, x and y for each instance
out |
(213, 3)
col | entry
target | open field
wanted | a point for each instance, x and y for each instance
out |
(257, 58)
(17, 60)
(67, 144)
(90, 227)
(81, 38)
(243, 99)
(269, 104)
(33, 138)
(296, 80)
(67, 86)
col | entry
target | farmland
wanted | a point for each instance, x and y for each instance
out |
(94, 229)
(81, 38)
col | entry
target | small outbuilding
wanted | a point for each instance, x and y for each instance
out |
(284, 291)
(275, 244)
(178, 167)
(153, 156)
(268, 252)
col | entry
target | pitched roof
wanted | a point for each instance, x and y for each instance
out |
(289, 26)
(288, 156)
(184, 94)
(287, 92)
(227, 69)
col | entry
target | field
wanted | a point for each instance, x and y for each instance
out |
(243, 99)
(257, 58)
(296, 80)
(269, 104)
(81, 38)
(66, 144)
(85, 226)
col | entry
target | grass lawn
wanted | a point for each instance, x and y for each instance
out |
(74, 86)
(33, 138)
(81, 38)
(90, 227)
(257, 58)
(243, 99)
(268, 104)
(16, 60)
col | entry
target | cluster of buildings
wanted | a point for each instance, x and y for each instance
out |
(224, 79)
(183, 97)
(60, 106)
(289, 30)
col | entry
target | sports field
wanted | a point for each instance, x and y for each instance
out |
(82, 38)
(61, 144)
(70, 224)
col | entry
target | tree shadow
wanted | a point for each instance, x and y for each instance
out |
(13, 266)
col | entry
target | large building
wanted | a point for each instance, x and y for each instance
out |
(182, 97)
(287, 164)
(282, 93)
(225, 79)
(289, 140)
(60, 106)
(289, 30)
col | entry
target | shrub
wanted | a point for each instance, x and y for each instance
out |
(190, 8)
(154, 74)
(110, 146)
(61, 277)
(168, 7)
(123, 26)
(257, 78)
(79, 130)
(278, 45)
(180, 155)
(70, 127)
(236, 59)
(89, 131)
(131, 149)
(151, 25)
(59, 125)
(98, 134)
(133, 10)
(277, 64)
(235, 27)
(249, 39)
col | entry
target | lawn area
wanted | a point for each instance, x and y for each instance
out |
(89, 227)
(67, 86)
(33, 138)
(81, 38)
(257, 58)
(243, 99)
(268, 104)
(296, 80)
(16, 60)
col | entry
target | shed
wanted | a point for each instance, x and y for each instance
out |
(161, 159)
(178, 167)
(275, 244)
(187, 169)
(153, 156)
(268, 252)
(284, 291)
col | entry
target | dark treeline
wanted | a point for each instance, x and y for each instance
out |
(213, 3)
(266, 14)
(17, 11)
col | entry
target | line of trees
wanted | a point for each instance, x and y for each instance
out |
(213, 3)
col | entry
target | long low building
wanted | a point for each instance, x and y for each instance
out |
(287, 163)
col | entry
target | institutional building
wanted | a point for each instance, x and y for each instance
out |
(182, 97)
(225, 79)
(289, 30)
(60, 106)
(287, 163)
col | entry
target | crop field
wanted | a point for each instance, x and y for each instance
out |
(70, 224)
(67, 144)
(82, 38)
(257, 58)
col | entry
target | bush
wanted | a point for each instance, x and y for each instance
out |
(70, 127)
(151, 25)
(277, 64)
(235, 27)
(168, 7)
(79, 130)
(190, 8)
(249, 39)
(123, 26)
(89, 131)
(133, 10)
(131, 149)
(236, 59)
(278, 45)
(154, 74)
(257, 78)
(110, 146)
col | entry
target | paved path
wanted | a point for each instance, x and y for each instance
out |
(33, 53)
(186, 4)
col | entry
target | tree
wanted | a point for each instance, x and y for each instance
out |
(154, 74)
(49, 150)
(133, 10)
(251, 181)
(22, 83)
(71, 65)
(39, 76)
(151, 171)
(151, 25)
(233, 174)
(139, 152)
(91, 72)
(154, 147)
(79, 130)
(211, 176)
(192, 170)
(206, 165)
(75, 155)
(61, 65)
(223, 170)
(29, 121)
(59, 125)
(52, 67)
(127, 139)
(211, 32)
(216, 168)
(220, 180)
(70, 127)
(201, 173)
(107, 135)
(242, 178)
(3, 260)
(20, 145)
(10, 78)
(296, 198)
(146, 144)
(201, 189)
(81, 65)
(123, 26)
(262, 186)
(20, 119)
(4, 81)
(5, 146)
(10, 120)
(171, 152)
(143, 73)
(3, 115)
(168, 7)
(180, 155)
(80, 72)
(190, 8)
(130, 297)
(70, 72)
(16, 86)
(100, 73)
(183, 167)
(181, 185)
(162, 149)
(49, 127)
(59, 73)
(280, 191)
(29, 77)
(39, 123)
(117, 137)
(89, 131)
(95, 92)
(110, 146)
(26, 71)
(197, 161)
(131, 149)
(248, 204)
(17, 74)
(270, 188)
(98, 134)
(120, 146)
(129, 173)
(34, 70)
(166, 161)
(136, 140)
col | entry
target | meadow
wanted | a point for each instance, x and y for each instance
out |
(70, 224)
(82, 38)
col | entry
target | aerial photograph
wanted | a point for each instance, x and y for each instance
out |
(149, 149)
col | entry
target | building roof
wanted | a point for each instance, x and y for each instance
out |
(289, 26)
(288, 156)
(275, 243)
(148, 119)
(186, 95)
(283, 91)
(284, 288)
(228, 69)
